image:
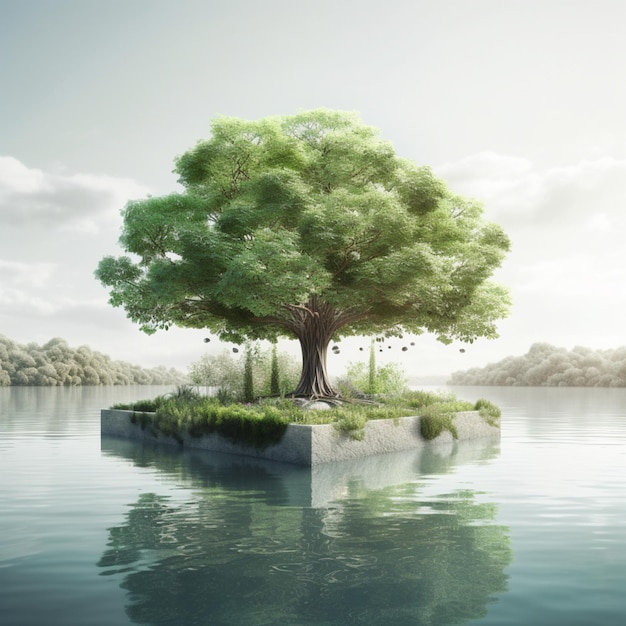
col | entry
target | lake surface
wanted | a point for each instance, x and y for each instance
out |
(527, 531)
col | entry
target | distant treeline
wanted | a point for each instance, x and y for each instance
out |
(55, 363)
(548, 366)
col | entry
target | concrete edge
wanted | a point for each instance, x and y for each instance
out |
(311, 445)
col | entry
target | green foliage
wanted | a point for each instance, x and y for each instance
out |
(351, 420)
(488, 411)
(307, 226)
(56, 363)
(437, 413)
(140, 405)
(274, 373)
(254, 425)
(434, 419)
(222, 372)
(419, 398)
(145, 421)
(248, 381)
(226, 374)
(432, 425)
(185, 393)
(387, 379)
(182, 393)
(371, 374)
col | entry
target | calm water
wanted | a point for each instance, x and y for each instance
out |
(528, 531)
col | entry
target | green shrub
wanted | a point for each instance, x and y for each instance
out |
(256, 425)
(388, 379)
(143, 419)
(186, 393)
(253, 373)
(290, 412)
(248, 378)
(386, 411)
(488, 411)
(148, 406)
(435, 418)
(274, 373)
(418, 398)
(351, 420)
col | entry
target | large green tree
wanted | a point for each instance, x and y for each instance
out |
(308, 226)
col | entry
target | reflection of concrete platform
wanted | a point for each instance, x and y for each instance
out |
(291, 485)
(316, 445)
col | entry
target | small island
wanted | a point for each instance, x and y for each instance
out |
(310, 227)
(303, 432)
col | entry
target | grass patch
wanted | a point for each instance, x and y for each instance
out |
(351, 422)
(144, 406)
(263, 423)
(253, 425)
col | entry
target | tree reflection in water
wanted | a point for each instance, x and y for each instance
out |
(237, 552)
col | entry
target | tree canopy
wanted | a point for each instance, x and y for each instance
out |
(307, 226)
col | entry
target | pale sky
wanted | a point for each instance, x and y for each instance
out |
(519, 103)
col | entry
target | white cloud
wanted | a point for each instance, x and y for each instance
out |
(24, 305)
(486, 166)
(25, 274)
(599, 222)
(579, 278)
(54, 228)
(551, 212)
(37, 290)
(18, 179)
(48, 247)
(78, 202)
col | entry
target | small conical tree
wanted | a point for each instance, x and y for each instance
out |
(372, 368)
(274, 373)
(248, 378)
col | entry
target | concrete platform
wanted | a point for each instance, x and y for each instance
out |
(312, 445)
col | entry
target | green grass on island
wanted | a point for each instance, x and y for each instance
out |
(264, 422)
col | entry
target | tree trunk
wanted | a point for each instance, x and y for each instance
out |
(314, 326)
(314, 381)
